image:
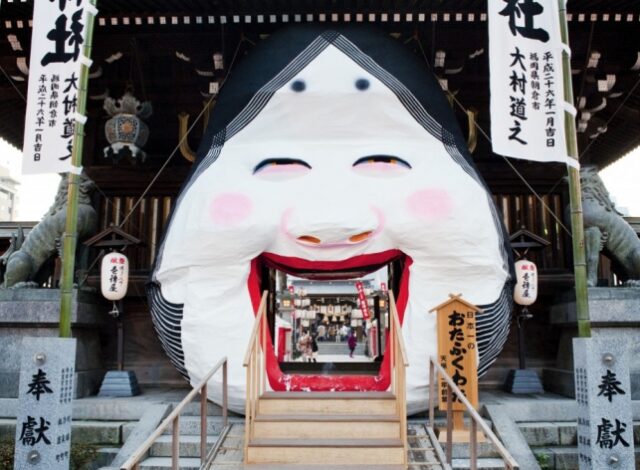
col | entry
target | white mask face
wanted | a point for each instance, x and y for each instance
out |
(333, 173)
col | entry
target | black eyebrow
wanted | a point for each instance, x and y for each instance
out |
(381, 158)
(280, 161)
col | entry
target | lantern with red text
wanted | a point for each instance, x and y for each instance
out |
(525, 292)
(114, 276)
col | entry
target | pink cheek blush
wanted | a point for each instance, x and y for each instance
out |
(430, 204)
(230, 208)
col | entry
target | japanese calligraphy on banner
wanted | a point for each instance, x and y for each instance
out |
(362, 300)
(54, 75)
(457, 351)
(527, 95)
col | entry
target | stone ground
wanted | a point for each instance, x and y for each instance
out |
(544, 423)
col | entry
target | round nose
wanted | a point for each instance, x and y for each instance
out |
(332, 225)
(353, 239)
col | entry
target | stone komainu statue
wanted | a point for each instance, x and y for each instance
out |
(606, 229)
(23, 264)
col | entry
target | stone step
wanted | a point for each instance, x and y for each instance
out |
(566, 458)
(105, 456)
(558, 433)
(462, 450)
(162, 463)
(483, 464)
(190, 426)
(82, 432)
(189, 446)
(541, 433)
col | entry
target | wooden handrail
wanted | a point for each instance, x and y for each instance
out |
(398, 328)
(174, 418)
(255, 329)
(476, 419)
(398, 364)
(255, 361)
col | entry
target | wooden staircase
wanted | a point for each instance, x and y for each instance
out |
(326, 428)
(343, 429)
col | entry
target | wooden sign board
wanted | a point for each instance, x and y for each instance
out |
(457, 349)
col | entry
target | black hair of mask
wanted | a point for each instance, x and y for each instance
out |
(272, 55)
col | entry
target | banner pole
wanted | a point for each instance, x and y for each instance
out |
(70, 237)
(575, 193)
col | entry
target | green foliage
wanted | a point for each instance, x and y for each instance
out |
(543, 460)
(82, 455)
(6, 455)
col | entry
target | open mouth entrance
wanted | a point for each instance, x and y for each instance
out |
(329, 301)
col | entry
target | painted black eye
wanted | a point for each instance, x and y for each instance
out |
(382, 159)
(362, 84)
(298, 86)
(284, 163)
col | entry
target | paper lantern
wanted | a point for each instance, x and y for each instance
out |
(354, 323)
(114, 277)
(305, 322)
(297, 302)
(525, 291)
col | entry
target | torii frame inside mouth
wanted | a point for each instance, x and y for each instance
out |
(328, 270)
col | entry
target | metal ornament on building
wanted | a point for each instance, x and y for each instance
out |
(525, 291)
(125, 131)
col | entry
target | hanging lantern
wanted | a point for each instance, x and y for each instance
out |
(125, 131)
(114, 276)
(525, 291)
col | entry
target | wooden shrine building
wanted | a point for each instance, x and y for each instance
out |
(175, 54)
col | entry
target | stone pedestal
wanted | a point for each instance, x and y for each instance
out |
(605, 422)
(35, 312)
(614, 313)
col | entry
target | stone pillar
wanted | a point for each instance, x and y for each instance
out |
(615, 313)
(605, 422)
(35, 313)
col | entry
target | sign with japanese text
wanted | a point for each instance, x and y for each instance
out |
(43, 422)
(362, 300)
(114, 278)
(527, 95)
(525, 291)
(54, 73)
(457, 351)
(603, 395)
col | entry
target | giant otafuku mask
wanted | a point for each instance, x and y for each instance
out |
(329, 150)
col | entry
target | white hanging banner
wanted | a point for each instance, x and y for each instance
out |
(59, 33)
(527, 95)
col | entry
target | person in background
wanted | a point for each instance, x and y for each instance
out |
(314, 349)
(304, 346)
(352, 342)
(344, 332)
(322, 331)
